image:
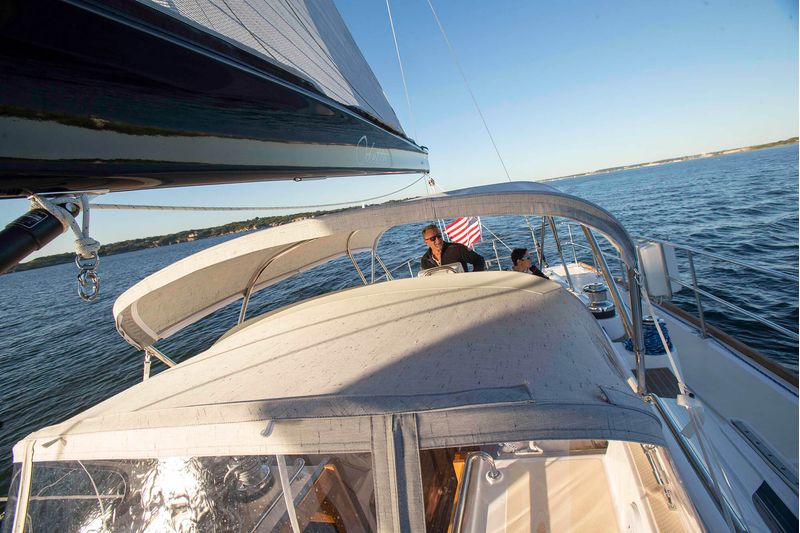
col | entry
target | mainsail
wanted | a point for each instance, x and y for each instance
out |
(126, 94)
(307, 38)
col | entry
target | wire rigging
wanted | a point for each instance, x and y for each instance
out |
(250, 208)
(469, 89)
(402, 71)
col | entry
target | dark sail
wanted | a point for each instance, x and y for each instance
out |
(122, 95)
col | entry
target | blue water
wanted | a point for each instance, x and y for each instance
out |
(59, 356)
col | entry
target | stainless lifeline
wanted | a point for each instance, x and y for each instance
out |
(691, 252)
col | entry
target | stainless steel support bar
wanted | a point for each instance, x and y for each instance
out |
(535, 241)
(160, 356)
(353, 259)
(149, 353)
(769, 323)
(389, 271)
(696, 294)
(697, 465)
(561, 252)
(260, 270)
(612, 285)
(572, 242)
(666, 270)
(635, 293)
(496, 256)
(776, 273)
(463, 491)
(582, 247)
(380, 262)
(541, 247)
(147, 362)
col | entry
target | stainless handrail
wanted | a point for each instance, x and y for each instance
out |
(257, 273)
(776, 273)
(353, 259)
(690, 252)
(572, 242)
(533, 236)
(606, 271)
(735, 307)
(557, 240)
(463, 490)
(696, 295)
(389, 276)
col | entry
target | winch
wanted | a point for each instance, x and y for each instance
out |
(599, 304)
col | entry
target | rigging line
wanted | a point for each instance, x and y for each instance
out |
(469, 89)
(402, 72)
(487, 228)
(255, 208)
(208, 19)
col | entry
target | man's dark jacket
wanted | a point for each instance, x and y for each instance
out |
(453, 252)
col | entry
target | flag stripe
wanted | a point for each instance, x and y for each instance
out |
(456, 225)
(464, 230)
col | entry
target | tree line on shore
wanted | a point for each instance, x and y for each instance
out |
(173, 238)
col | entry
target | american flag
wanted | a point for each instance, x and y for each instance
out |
(466, 230)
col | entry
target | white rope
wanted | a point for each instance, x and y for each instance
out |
(694, 407)
(672, 363)
(85, 246)
(250, 208)
(469, 89)
(402, 71)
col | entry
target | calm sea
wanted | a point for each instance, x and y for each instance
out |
(59, 356)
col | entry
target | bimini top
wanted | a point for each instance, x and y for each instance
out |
(445, 354)
(182, 293)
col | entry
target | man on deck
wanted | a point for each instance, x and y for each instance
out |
(443, 253)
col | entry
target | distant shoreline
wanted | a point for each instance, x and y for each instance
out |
(791, 140)
(172, 238)
(264, 222)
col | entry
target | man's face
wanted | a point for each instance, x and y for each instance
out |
(433, 239)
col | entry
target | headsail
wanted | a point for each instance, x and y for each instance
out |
(128, 94)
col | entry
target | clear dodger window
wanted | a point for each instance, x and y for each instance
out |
(198, 494)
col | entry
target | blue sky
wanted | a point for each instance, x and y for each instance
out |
(565, 87)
